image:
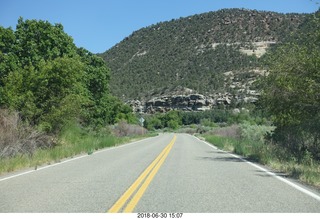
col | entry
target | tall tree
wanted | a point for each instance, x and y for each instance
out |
(291, 91)
(45, 77)
(37, 40)
(8, 59)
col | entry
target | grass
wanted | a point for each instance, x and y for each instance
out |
(73, 141)
(223, 143)
(307, 171)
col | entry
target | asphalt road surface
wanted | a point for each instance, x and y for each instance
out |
(167, 173)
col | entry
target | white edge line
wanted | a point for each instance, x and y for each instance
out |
(305, 191)
(72, 159)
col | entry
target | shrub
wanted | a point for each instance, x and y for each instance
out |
(124, 129)
(255, 132)
(18, 138)
(232, 131)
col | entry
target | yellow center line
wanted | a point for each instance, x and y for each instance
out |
(153, 168)
(134, 201)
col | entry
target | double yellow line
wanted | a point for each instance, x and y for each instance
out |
(147, 176)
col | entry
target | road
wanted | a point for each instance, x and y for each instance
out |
(167, 173)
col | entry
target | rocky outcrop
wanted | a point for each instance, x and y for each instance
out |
(238, 84)
(189, 102)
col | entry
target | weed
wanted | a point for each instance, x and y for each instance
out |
(72, 141)
(124, 129)
(20, 138)
(252, 146)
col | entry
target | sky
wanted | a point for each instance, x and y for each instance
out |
(97, 25)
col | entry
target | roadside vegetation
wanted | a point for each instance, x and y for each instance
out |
(55, 103)
(246, 133)
(250, 142)
(283, 129)
(24, 147)
(55, 100)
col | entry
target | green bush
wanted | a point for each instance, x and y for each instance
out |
(255, 133)
(291, 90)
(50, 81)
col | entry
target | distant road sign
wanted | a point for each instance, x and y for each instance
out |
(141, 120)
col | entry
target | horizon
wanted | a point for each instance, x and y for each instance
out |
(99, 25)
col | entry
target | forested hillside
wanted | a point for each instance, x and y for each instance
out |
(195, 51)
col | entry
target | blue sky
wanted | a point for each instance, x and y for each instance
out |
(97, 25)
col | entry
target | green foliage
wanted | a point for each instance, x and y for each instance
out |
(250, 143)
(153, 122)
(171, 120)
(255, 133)
(8, 60)
(192, 52)
(109, 110)
(51, 94)
(210, 118)
(50, 81)
(207, 122)
(97, 74)
(266, 153)
(40, 40)
(74, 140)
(217, 141)
(291, 91)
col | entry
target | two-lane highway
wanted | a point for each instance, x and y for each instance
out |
(167, 173)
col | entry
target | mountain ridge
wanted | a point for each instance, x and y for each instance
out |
(195, 52)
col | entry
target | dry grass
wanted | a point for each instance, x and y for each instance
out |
(123, 129)
(232, 131)
(308, 173)
(73, 140)
(18, 138)
(246, 141)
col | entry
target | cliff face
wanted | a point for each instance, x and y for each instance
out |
(189, 102)
(184, 99)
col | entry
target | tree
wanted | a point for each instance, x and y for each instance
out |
(291, 91)
(172, 119)
(40, 40)
(50, 94)
(97, 73)
(8, 60)
(50, 81)
(154, 123)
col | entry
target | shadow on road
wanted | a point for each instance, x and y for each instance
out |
(221, 159)
(216, 152)
(265, 174)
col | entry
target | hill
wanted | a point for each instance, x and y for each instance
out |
(210, 53)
